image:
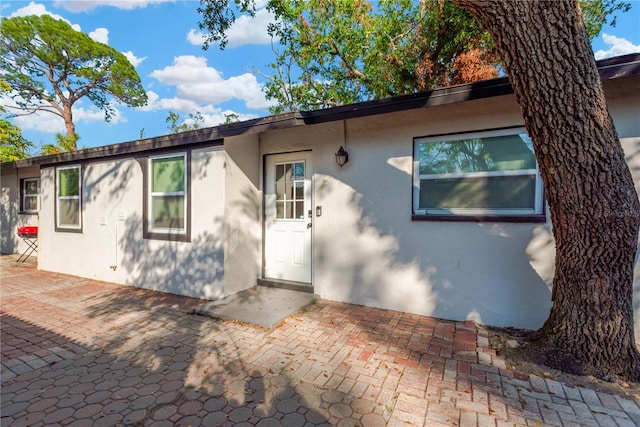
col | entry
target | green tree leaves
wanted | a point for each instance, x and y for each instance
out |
(13, 146)
(335, 52)
(50, 66)
(194, 122)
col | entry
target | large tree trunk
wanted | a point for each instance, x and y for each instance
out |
(70, 127)
(593, 204)
(69, 143)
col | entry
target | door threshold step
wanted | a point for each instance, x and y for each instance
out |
(286, 284)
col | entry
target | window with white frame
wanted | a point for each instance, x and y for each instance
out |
(68, 198)
(167, 195)
(491, 173)
(30, 192)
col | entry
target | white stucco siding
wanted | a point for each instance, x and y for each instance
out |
(111, 246)
(11, 213)
(111, 217)
(367, 250)
(243, 214)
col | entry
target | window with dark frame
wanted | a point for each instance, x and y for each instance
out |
(167, 200)
(481, 174)
(68, 197)
(30, 195)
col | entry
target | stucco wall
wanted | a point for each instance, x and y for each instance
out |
(243, 214)
(10, 214)
(111, 245)
(366, 248)
(625, 110)
(368, 251)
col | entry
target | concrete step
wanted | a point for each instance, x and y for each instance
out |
(261, 305)
(286, 284)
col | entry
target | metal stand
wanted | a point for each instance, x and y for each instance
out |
(32, 246)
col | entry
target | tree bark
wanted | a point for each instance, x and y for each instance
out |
(594, 207)
(70, 127)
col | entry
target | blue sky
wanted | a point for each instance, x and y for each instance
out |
(161, 38)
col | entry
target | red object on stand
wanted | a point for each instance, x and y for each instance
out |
(28, 231)
(29, 234)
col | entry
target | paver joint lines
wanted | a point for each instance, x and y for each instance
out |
(82, 352)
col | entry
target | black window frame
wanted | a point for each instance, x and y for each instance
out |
(148, 232)
(419, 213)
(24, 195)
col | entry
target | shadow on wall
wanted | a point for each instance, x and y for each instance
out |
(116, 178)
(446, 270)
(364, 267)
(192, 269)
(9, 217)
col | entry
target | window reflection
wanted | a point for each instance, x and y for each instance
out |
(289, 183)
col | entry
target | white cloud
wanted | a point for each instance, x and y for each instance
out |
(135, 61)
(100, 35)
(52, 123)
(219, 117)
(84, 5)
(195, 37)
(41, 122)
(197, 82)
(93, 114)
(37, 9)
(617, 46)
(155, 103)
(212, 116)
(245, 30)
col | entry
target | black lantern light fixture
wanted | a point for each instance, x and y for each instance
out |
(342, 157)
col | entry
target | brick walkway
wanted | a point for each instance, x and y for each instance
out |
(80, 352)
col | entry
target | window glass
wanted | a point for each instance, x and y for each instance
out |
(30, 203)
(289, 183)
(168, 174)
(31, 187)
(68, 201)
(168, 212)
(69, 212)
(492, 173)
(502, 153)
(496, 192)
(69, 182)
(30, 194)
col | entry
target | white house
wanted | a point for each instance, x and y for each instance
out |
(439, 210)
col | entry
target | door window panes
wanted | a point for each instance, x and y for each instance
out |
(290, 190)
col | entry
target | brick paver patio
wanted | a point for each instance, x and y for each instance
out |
(80, 352)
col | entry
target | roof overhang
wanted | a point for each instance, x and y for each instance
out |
(612, 68)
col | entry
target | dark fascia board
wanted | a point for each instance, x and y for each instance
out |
(619, 66)
(441, 96)
(207, 136)
(611, 68)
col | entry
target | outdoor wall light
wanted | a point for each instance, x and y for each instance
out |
(342, 157)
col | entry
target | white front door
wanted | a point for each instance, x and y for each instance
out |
(288, 217)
